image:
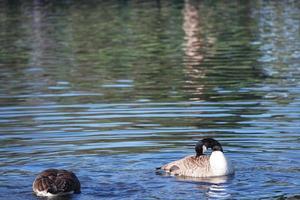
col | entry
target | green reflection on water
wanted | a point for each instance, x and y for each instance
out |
(128, 51)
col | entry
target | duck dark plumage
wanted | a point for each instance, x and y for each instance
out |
(55, 182)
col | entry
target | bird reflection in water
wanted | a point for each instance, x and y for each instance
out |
(214, 187)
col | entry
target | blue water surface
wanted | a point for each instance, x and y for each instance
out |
(113, 89)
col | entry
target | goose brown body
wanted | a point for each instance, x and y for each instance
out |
(53, 182)
(193, 166)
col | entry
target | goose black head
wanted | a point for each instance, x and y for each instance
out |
(212, 143)
(206, 143)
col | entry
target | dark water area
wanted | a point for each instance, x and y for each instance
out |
(113, 89)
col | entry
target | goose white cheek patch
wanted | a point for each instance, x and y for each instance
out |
(204, 148)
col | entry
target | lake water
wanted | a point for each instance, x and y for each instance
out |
(113, 89)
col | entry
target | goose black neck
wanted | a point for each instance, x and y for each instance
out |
(199, 149)
(217, 148)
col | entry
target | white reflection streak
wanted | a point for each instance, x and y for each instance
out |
(34, 70)
(217, 192)
(192, 46)
(38, 40)
(215, 187)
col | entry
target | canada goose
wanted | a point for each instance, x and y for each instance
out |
(202, 165)
(55, 182)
